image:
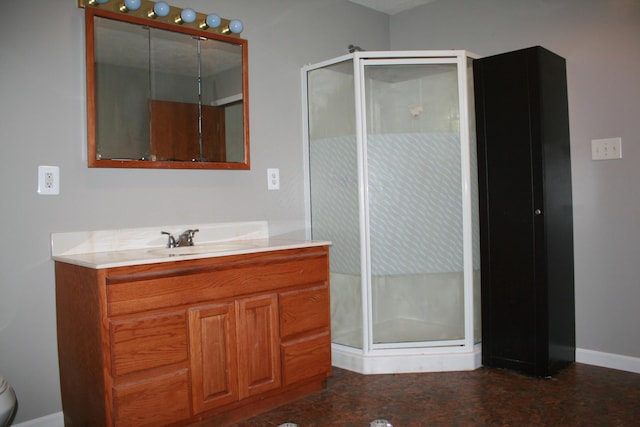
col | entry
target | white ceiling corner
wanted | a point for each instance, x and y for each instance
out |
(391, 7)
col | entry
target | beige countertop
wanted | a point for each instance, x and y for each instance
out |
(121, 258)
(126, 247)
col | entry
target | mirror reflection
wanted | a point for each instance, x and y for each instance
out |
(164, 98)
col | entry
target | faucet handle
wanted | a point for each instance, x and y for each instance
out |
(188, 236)
(171, 243)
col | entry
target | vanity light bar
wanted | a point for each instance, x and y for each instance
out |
(162, 11)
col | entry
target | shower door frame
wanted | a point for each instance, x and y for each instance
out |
(367, 294)
(428, 348)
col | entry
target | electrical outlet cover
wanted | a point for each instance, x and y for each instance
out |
(273, 178)
(48, 180)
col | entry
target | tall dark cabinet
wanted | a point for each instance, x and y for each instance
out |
(526, 223)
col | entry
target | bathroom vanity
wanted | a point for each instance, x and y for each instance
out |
(151, 337)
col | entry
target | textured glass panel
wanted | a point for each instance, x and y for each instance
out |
(333, 172)
(415, 202)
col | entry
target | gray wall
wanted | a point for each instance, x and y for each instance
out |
(601, 42)
(42, 122)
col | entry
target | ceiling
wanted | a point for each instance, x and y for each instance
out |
(391, 7)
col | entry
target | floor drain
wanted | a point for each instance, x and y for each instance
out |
(380, 423)
(288, 425)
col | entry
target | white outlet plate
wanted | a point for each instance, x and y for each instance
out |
(606, 149)
(48, 180)
(273, 178)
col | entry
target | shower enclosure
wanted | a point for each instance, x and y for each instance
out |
(392, 183)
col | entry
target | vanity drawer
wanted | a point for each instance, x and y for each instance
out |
(155, 402)
(304, 310)
(306, 358)
(132, 293)
(148, 342)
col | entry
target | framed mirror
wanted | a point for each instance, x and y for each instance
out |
(161, 95)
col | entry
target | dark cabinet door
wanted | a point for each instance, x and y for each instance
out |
(514, 143)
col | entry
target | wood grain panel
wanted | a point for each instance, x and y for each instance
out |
(306, 358)
(215, 283)
(212, 332)
(157, 402)
(148, 342)
(259, 352)
(82, 345)
(303, 310)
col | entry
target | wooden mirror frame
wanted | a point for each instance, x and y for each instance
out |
(93, 160)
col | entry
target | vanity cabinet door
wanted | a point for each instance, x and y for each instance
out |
(214, 367)
(259, 345)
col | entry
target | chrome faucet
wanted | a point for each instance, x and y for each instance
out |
(185, 239)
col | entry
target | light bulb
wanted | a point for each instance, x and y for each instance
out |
(213, 20)
(161, 8)
(132, 4)
(188, 15)
(236, 26)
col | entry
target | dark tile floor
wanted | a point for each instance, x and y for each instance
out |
(580, 395)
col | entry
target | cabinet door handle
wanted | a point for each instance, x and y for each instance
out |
(537, 212)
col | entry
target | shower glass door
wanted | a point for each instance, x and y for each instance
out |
(335, 195)
(414, 199)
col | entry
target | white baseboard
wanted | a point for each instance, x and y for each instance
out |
(608, 360)
(52, 420)
(405, 363)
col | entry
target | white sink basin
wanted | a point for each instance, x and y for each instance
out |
(205, 248)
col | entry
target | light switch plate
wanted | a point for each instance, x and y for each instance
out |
(606, 149)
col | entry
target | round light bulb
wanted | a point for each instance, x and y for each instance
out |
(213, 20)
(132, 4)
(236, 26)
(188, 15)
(161, 8)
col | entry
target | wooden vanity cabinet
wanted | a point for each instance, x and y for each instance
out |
(192, 342)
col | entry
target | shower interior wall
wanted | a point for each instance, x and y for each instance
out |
(400, 253)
